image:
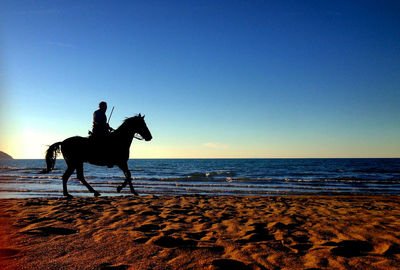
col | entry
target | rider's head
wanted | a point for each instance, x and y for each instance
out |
(103, 106)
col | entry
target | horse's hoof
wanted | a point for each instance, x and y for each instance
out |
(96, 194)
(119, 188)
(68, 196)
(134, 192)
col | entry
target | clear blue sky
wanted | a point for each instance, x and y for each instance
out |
(214, 78)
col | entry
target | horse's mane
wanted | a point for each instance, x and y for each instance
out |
(129, 121)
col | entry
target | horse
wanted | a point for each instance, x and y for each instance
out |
(109, 150)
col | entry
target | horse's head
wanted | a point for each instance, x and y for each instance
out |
(142, 128)
(136, 124)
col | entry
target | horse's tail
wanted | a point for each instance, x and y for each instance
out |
(51, 156)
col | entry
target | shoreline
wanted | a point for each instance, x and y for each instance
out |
(57, 195)
(214, 177)
(201, 232)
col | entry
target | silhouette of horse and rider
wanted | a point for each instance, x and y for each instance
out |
(104, 147)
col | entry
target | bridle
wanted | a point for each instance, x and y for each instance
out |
(138, 137)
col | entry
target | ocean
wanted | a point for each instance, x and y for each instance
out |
(20, 178)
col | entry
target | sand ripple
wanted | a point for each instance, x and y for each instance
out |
(201, 232)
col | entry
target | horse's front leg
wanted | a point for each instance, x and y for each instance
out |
(128, 179)
(79, 174)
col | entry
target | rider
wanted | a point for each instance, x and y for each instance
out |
(100, 125)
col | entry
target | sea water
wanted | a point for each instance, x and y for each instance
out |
(21, 178)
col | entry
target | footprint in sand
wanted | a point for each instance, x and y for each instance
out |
(172, 242)
(196, 235)
(258, 234)
(47, 231)
(149, 228)
(284, 227)
(180, 211)
(350, 248)
(301, 247)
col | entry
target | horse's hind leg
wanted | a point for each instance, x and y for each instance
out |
(79, 174)
(65, 178)
(128, 179)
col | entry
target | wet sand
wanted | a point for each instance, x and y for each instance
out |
(201, 232)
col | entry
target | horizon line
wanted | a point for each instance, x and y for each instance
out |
(193, 158)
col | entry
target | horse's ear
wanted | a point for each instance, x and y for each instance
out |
(143, 116)
(140, 115)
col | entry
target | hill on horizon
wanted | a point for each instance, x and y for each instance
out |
(5, 156)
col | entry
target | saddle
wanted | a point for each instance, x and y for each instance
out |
(100, 134)
(99, 141)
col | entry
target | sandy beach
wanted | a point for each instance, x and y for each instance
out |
(201, 232)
